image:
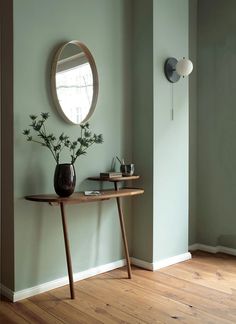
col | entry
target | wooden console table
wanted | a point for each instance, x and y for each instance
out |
(115, 181)
(78, 198)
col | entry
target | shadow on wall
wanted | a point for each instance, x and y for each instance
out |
(228, 240)
(33, 217)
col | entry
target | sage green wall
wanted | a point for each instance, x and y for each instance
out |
(130, 41)
(171, 137)
(39, 28)
(160, 145)
(216, 122)
(193, 123)
(143, 127)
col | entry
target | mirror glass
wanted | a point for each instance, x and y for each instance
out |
(74, 82)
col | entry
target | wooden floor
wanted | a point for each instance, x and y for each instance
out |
(201, 290)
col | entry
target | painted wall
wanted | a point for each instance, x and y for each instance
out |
(133, 113)
(6, 97)
(143, 127)
(216, 122)
(39, 28)
(171, 137)
(193, 122)
(160, 222)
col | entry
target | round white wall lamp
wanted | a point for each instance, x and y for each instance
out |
(174, 69)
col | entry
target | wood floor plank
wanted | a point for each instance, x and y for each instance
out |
(211, 294)
(126, 300)
(5, 319)
(33, 313)
(218, 260)
(61, 310)
(197, 291)
(96, 307)
(213, 256)
(216, 274)
(163, 288)
(140, 302)
(200, 277)
(10, 315)
(188, 286)
(211, 264)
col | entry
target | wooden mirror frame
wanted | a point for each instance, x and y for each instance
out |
(95, 81)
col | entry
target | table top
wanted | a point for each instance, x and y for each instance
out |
(115, 179)
(79, 197)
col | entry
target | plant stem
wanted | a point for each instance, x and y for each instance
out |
(82, 151)
(75, 157)
(119, 160)
(37, 142)
(50, 144)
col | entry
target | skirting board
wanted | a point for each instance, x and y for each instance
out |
(162, 263)
(142, 264)
(29, 292)
(6, 292)
(170, 261)
(212, 249)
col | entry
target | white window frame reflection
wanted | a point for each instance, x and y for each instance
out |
(74, 84)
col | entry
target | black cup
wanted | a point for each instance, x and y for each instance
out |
(127, 169)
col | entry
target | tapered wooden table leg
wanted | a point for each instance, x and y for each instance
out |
(122, 225)
(67, 248)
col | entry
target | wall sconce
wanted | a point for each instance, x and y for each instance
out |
(175, 69)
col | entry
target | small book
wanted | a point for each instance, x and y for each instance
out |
(92, 193)
(109, 175)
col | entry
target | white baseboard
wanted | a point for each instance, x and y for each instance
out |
(142, 264)
(162, 263)
(227, 250)
(6, 292)
(29, 292)
(212, 249)
(193, 247)
(170, 261)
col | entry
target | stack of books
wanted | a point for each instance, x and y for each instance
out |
(110, 175)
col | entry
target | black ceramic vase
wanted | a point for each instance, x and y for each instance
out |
(127, 169)
(64, 179)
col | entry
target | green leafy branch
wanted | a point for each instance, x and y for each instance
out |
(56, 146)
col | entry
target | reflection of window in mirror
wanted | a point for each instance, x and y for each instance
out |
(74, 83)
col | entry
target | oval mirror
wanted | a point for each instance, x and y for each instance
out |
(74, 82)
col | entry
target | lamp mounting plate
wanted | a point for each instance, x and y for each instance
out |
(170, 71)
